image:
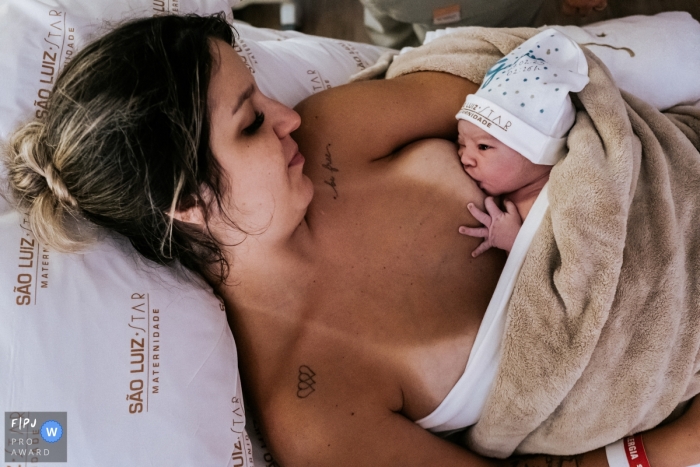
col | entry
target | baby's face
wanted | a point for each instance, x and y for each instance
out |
(495, 167)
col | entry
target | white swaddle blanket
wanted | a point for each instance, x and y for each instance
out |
(463, 405)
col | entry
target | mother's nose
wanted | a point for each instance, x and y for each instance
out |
(286, 120)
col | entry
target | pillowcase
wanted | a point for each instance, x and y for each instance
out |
(653, 57)
(289, 66)
(136, 360)
(38, 37)
(138, 357)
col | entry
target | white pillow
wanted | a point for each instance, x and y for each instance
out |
(289, 66)
(67, 343)
(37, 37)
(656, 58)
(65, 339)
(139, 357)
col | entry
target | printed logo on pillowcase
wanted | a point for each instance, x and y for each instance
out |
(39, 37)
(33, 267)
(354, 54)
(113, 340)
(166, 6)
(144, 352)
(246, 54)
(261, 451)
(242, 454)
(317, 81)
(59, 47)
(145, 320)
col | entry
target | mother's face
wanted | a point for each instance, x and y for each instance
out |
(250, 137)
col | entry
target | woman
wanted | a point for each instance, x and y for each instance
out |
(353, 300)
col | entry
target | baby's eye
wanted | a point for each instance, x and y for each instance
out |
(257, 123)
(483, 147)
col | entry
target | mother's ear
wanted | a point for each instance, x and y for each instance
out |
(190, 209)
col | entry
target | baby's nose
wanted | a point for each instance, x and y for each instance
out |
(466, 159)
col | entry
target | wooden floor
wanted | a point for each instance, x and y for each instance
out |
(342, 19)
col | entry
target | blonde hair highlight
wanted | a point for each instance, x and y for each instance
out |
(39, 191)
(124, 144)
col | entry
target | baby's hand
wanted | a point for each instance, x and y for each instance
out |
(500, 229)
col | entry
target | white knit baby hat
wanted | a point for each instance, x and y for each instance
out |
(524, 100)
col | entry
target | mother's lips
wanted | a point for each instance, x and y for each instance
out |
(297, 159)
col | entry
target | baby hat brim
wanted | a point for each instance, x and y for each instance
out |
(527, 91)
(512, 131)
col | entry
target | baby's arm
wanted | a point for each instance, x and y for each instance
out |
(500, 228)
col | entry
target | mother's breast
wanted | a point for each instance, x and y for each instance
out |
(396, 275)
(405, 207)
(397, 223)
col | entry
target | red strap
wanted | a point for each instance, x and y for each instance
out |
(634, 449)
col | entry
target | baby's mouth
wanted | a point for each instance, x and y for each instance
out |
(466, 170)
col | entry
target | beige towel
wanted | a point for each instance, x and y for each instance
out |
(603, 331)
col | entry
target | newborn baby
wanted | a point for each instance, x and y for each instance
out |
(513, 130)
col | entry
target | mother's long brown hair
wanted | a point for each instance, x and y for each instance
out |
(125, 142)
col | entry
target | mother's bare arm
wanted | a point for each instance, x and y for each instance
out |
(380, 438)
(674, 445)
(368, 120)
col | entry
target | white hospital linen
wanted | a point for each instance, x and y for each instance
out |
(656, 58)
(139, 356)
(463, 405)
(289, 66)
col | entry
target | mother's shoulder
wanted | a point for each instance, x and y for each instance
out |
(365, 121)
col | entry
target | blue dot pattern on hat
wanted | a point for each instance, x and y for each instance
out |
(543, 59)
(526, 64)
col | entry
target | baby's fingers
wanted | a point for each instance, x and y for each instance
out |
(479, 215)
(511, 208)
(492, 208)
(481, 232)
(485, 245)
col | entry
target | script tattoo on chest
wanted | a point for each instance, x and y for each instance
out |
(330, 168)
(306, 383)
